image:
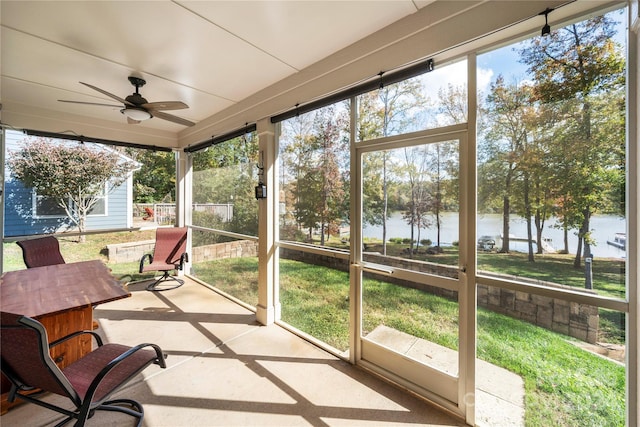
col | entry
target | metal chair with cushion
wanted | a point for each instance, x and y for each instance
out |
(169, 254)
(87, 382)
(41, 252)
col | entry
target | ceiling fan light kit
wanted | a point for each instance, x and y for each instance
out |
(136, 108)
(136, 113)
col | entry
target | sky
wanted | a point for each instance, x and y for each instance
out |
(500, 61)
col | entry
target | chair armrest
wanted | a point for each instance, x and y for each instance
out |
(145, 256)
(75, 334)
(183, 258)
(118, 360)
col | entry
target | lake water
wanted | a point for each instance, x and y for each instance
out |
(603, 228)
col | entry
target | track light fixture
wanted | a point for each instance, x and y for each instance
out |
(546, 29)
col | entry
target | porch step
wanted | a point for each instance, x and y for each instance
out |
(499, 392)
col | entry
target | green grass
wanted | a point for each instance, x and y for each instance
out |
(608, 273)
(95, 247)
(236, 276)
(564, 385)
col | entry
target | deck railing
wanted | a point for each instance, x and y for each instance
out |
(165, 213)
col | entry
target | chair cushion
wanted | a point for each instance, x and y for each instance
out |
(159, 266)
(171, 243)
(41, 252)
(83, 371)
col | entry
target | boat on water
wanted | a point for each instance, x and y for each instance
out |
(619, 241)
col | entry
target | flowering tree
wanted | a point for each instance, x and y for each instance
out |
(75, 175)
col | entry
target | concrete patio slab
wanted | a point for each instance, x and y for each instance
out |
(226, 370)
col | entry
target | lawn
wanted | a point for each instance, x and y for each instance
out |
(565, 385)
(95, 247)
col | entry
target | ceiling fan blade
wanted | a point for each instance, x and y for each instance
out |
(90, 103)
(110, 95)
(171, 118)
(167, 105)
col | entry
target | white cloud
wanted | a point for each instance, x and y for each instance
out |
(484, 76)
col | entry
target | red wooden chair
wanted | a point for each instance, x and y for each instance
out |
(41, 252)
(169, 254)
(149, 214)
(88, 382)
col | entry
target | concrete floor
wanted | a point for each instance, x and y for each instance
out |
(226, 370)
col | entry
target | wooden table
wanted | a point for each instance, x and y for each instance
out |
(61, 297)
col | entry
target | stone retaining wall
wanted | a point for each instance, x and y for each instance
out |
(576, 320)
(569, 318)
(129, 252)
(235, 249)
(133, 251)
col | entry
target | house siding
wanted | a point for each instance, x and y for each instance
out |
(19, 219)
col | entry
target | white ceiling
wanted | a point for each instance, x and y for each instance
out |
(233, 62)
(208, 54)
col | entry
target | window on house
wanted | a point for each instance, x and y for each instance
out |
(100, 206)
(45, 206)
(49, 207)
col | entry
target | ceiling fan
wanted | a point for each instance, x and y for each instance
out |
(136, 108)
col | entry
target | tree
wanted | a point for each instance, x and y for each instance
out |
(75, 175)
(505, 141)
(226, 173)
(414, 170)
(575, 65)
(156, 179)
(387, 111)
(319, 190)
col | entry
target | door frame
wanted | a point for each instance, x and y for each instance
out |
(454, 394)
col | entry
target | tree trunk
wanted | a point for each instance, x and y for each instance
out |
(527, 210)
(81, 228)
(539, 228)
(505, 224)
(584, 248)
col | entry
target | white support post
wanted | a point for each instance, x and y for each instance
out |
(468, 255)
(633, 218)
(268, 309)
(184, 199)
(355, 233)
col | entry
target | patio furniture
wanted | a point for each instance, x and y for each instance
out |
(88, 382)
(169, 254)
(149, 214)
(66, 295)
(41, 252)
